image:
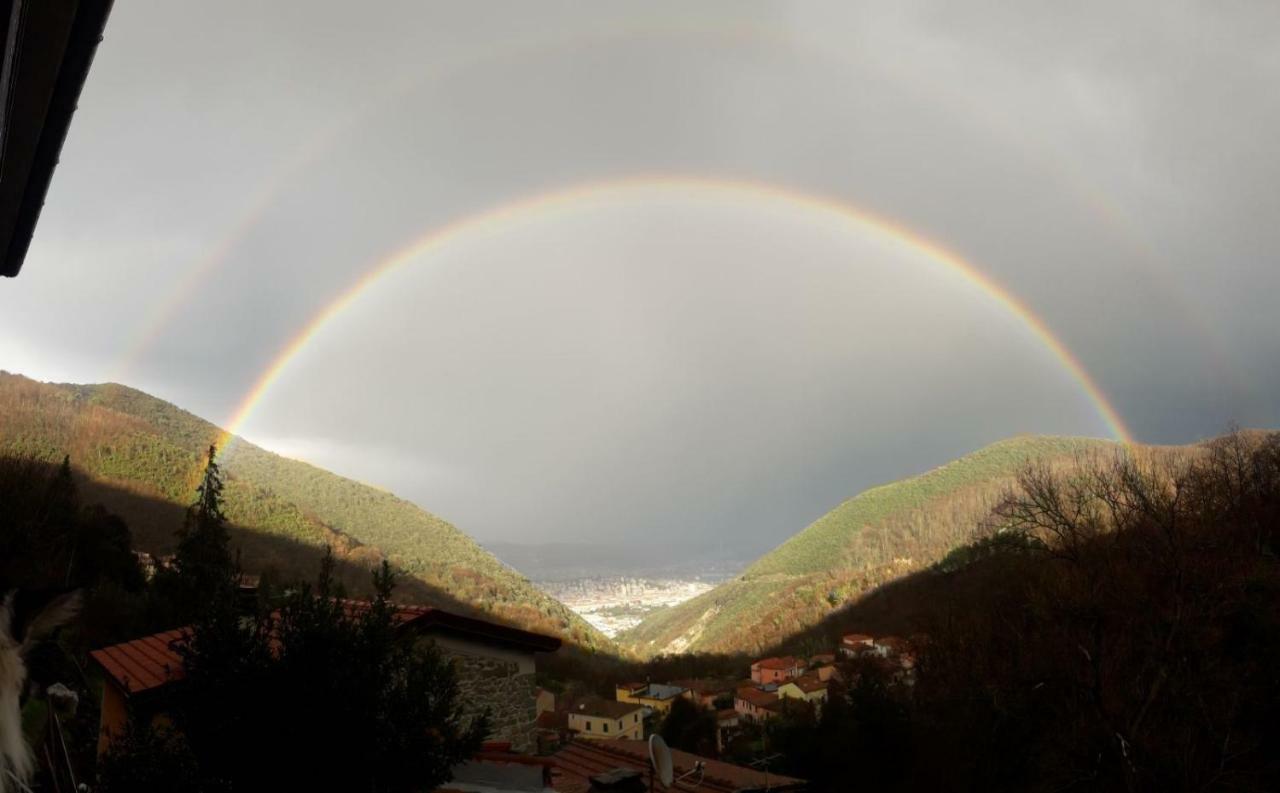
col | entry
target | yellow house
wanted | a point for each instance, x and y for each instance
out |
(809, 688)
(601, 719)
(651, 695)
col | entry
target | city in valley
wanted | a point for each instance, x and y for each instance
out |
(615, 603)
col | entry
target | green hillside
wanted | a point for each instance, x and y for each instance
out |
(126, 443)
(879, 535)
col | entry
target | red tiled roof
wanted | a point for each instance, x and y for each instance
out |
(144, 664)
(809, 683)
(761, 699)
(154, 661)
(857, 638)
(553, 720)
(580, 760)
(785, 662)
(603, 708)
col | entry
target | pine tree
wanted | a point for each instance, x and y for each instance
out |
(204, 571)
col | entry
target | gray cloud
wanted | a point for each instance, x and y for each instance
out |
(667, 364)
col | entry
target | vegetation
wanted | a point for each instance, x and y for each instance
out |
(880, 535)
(261, 695)
(689, 727)
(134, 452)
(1116, 627)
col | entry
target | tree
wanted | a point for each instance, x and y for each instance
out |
(262, 696)
(204, 573)
(689, 727)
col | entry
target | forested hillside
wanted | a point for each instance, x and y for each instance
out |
(138, 454)
(879, 535)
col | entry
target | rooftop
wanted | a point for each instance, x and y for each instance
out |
(808, 683)
(705, 686)
(151, 662)
(576, 763)
(662, 691)
(756, 697)
(603, 708)
(785, 662)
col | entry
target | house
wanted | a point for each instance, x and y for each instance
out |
(498, 769)
(657, 696)
(754, 704)
(727, 722)
(494, 665)
(552, 730)
(606, 719)
(577, 764)
(853, 645)
(546, 701)
(891, 647)
(705, 692)
(824, 666)
(775, 670)
(807, 688)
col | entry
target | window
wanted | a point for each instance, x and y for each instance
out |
(588, 725)
(606, 726)
(636, 718)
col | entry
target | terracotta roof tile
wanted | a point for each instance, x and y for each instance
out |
(603, 708)
(785, 662)
(580, 760)
(153, 661)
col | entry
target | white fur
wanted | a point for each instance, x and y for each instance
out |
(15, 755)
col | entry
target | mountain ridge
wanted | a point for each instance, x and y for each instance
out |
(884, 532)
(121, 437)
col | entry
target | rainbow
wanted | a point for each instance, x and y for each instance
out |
(324, 141)
(495, 218)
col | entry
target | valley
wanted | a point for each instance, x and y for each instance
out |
(613, 604)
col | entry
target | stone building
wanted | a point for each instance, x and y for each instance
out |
(494, 665)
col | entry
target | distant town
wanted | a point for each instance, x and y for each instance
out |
(613, 604)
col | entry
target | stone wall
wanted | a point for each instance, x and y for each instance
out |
(508, 692)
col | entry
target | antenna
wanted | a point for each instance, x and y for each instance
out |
(662, 768)
(660, 761)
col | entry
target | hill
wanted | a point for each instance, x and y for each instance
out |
(137, 454)
(879, 535)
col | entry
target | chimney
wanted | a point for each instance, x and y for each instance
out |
(619, 780)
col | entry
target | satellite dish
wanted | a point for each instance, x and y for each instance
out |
(660, 757)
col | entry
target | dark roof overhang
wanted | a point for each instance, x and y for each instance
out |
(48, 48)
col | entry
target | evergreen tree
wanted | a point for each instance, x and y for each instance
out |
(261, 696)
(204, 573)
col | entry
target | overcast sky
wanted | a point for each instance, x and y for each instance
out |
(667, 363)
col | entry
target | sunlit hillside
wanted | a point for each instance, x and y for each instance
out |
(124, 441)
(879, 535)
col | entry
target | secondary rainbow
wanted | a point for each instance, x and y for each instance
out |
(493, 219)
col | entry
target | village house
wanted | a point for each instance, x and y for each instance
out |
(755, 704)
(776, 670)
(806, 688)
(705, 692)
(494, 665)
(853, 645)
(604, 719)
(657, 696)
(546, 701)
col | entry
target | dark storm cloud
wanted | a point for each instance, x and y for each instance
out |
(683, 375)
